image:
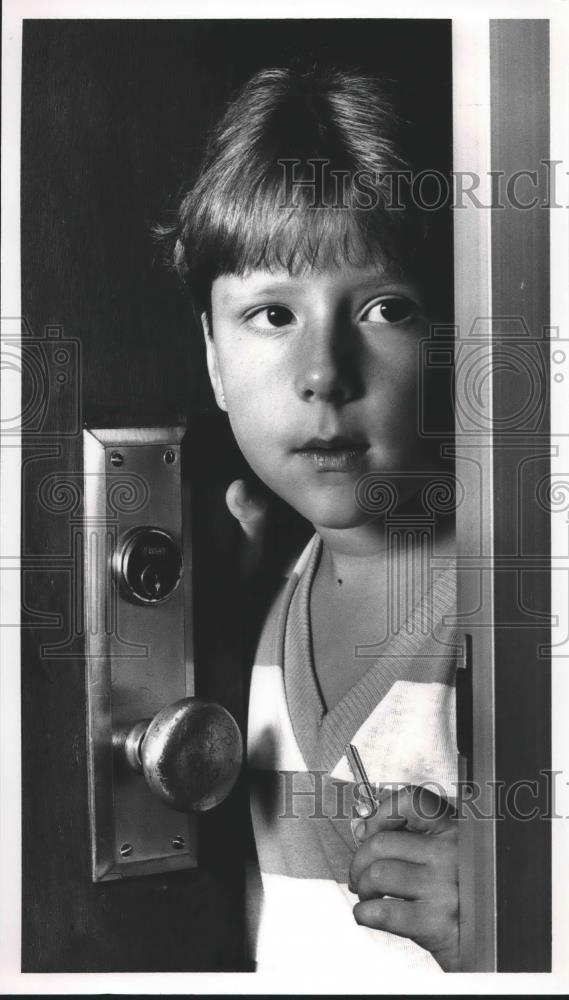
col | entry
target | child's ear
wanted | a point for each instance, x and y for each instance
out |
(212, 364)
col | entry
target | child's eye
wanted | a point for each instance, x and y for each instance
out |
(271, 318)
(391, 309)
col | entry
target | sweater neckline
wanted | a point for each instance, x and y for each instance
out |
(323, 734)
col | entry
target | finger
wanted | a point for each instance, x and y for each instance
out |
(394, 878)
(433, 927)
(403, 917)
(437, 854)
(247, 507)
(395, 845)
(250, 510)
(414, 807)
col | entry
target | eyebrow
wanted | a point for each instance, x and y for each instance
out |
(276, 286)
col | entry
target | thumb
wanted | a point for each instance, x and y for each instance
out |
(250, 510)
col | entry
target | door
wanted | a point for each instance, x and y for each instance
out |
(106, 344)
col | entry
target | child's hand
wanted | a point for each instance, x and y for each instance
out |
(250, 510)
(406, 854)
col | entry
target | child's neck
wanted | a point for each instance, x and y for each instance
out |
(355, 552)
(359, 575)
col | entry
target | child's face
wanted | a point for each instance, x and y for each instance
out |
(319, 375)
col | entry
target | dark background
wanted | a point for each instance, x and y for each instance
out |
(114, 119)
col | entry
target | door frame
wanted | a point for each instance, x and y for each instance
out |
(502, 447)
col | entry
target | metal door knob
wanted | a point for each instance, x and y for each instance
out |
(190, 753)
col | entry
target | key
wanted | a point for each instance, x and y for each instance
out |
(360, 777)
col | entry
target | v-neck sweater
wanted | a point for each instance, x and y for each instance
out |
(400, 715)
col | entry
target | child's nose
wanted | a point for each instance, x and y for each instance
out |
(328, 372)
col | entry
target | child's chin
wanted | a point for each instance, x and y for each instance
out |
(335, 515)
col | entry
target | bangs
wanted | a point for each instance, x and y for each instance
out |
(309, 227)
(269, 233)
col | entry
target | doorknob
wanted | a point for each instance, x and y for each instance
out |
(190, 753)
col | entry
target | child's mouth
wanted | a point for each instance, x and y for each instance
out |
(337, 454)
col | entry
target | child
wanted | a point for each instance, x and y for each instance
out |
(316, 279)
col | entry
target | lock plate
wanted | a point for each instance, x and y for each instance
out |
(139, 634)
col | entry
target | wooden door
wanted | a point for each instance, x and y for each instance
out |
(110, 343)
